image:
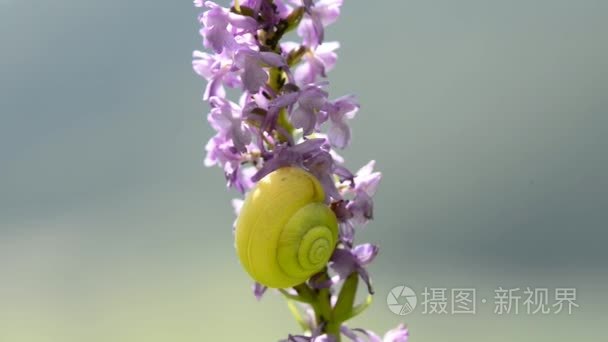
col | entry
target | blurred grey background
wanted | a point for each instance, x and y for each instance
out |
(489, 120)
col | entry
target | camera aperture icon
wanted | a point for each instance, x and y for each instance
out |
(401, 300)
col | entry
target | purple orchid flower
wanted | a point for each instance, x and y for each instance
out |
(225, 117)
(320, 14)
(239, 177)
(316, 336)
(220, 26)
(316, 62)
(302, 338)
(252, 63)
(346, 261)
(220, 151)
(223, 153)
(398, 334)
(218, 70)
(310, 100)
(258, 290)
(338, 112)
(366, 183)
(357, 212)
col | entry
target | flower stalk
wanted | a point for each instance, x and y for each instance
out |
(284, 117)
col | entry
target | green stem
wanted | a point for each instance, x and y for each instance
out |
(328, 317)
(276, 80)
(277, 77)
(333, 328)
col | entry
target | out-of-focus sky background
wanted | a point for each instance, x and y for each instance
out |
(489, 120)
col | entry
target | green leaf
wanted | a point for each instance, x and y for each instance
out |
(293, 308)
(297, 298)
(296, 55)
(346, 299)
(360, 308)
(294, 18)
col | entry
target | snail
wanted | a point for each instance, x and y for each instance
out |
(285, 232)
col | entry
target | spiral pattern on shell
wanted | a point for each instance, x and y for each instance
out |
(285, 232)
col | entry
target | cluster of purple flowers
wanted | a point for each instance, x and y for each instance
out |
(285, 117)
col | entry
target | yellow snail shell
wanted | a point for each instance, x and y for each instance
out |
(285, 232)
